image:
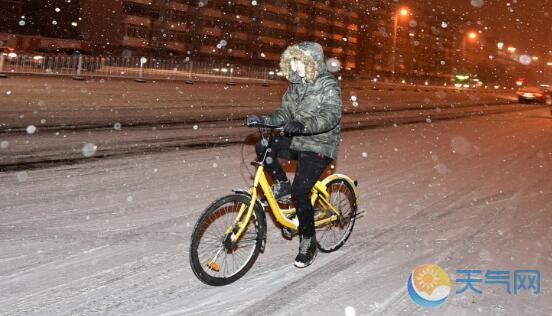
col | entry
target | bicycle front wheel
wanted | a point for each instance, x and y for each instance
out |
(332, 235)
(216, 261)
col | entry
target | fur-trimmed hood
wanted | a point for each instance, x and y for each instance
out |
(311, 54)
(315, 101)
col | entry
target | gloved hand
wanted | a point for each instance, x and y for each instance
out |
(253, 119)
(294, 127)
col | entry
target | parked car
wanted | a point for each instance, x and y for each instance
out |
(535, 94)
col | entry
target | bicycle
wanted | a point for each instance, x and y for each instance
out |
(231, 232)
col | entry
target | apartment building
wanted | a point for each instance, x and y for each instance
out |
(237, 31)
(358, 34)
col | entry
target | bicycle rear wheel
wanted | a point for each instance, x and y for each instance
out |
(215, 260)
(332, 235)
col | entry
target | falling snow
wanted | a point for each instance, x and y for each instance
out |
(451, 168)
(89, 150)
(31, 129)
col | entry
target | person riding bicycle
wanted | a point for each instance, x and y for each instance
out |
(311, 115)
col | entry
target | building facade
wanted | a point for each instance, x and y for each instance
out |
(237, 31)
(359, 34)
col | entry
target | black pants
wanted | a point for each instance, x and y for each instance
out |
(310, 166)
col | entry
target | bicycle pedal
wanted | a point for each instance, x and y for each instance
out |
(288, 233)
(213, 265)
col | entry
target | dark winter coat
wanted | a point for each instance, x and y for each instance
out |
(315, 101)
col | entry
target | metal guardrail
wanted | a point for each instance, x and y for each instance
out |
(142, 69)
(139, 68)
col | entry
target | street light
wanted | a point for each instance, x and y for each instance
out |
(402, 12)
(511, 49)
(471, 36)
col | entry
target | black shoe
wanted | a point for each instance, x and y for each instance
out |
(282, 191)
(307, 252)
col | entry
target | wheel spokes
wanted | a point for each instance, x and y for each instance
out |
(333, 233)
(216, 258)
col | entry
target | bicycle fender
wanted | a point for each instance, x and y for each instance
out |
(346, 178)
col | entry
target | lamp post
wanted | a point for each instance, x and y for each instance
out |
(402, 12)
(471, 36)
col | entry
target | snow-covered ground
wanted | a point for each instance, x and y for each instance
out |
(111, 236)
(53, 103)
(58, 120)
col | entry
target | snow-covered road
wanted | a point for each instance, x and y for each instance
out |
(49, 121)
(111, 236)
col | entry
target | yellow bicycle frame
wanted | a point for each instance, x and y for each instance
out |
(319, 193)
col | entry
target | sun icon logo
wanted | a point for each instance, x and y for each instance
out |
(429, 285)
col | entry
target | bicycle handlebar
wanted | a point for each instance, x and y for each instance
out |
(261, 125)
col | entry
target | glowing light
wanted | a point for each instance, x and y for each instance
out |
(404, 11)
(472, 35)
(500, 45)
(462, 77)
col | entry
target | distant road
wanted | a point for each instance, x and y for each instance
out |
(121, 117)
